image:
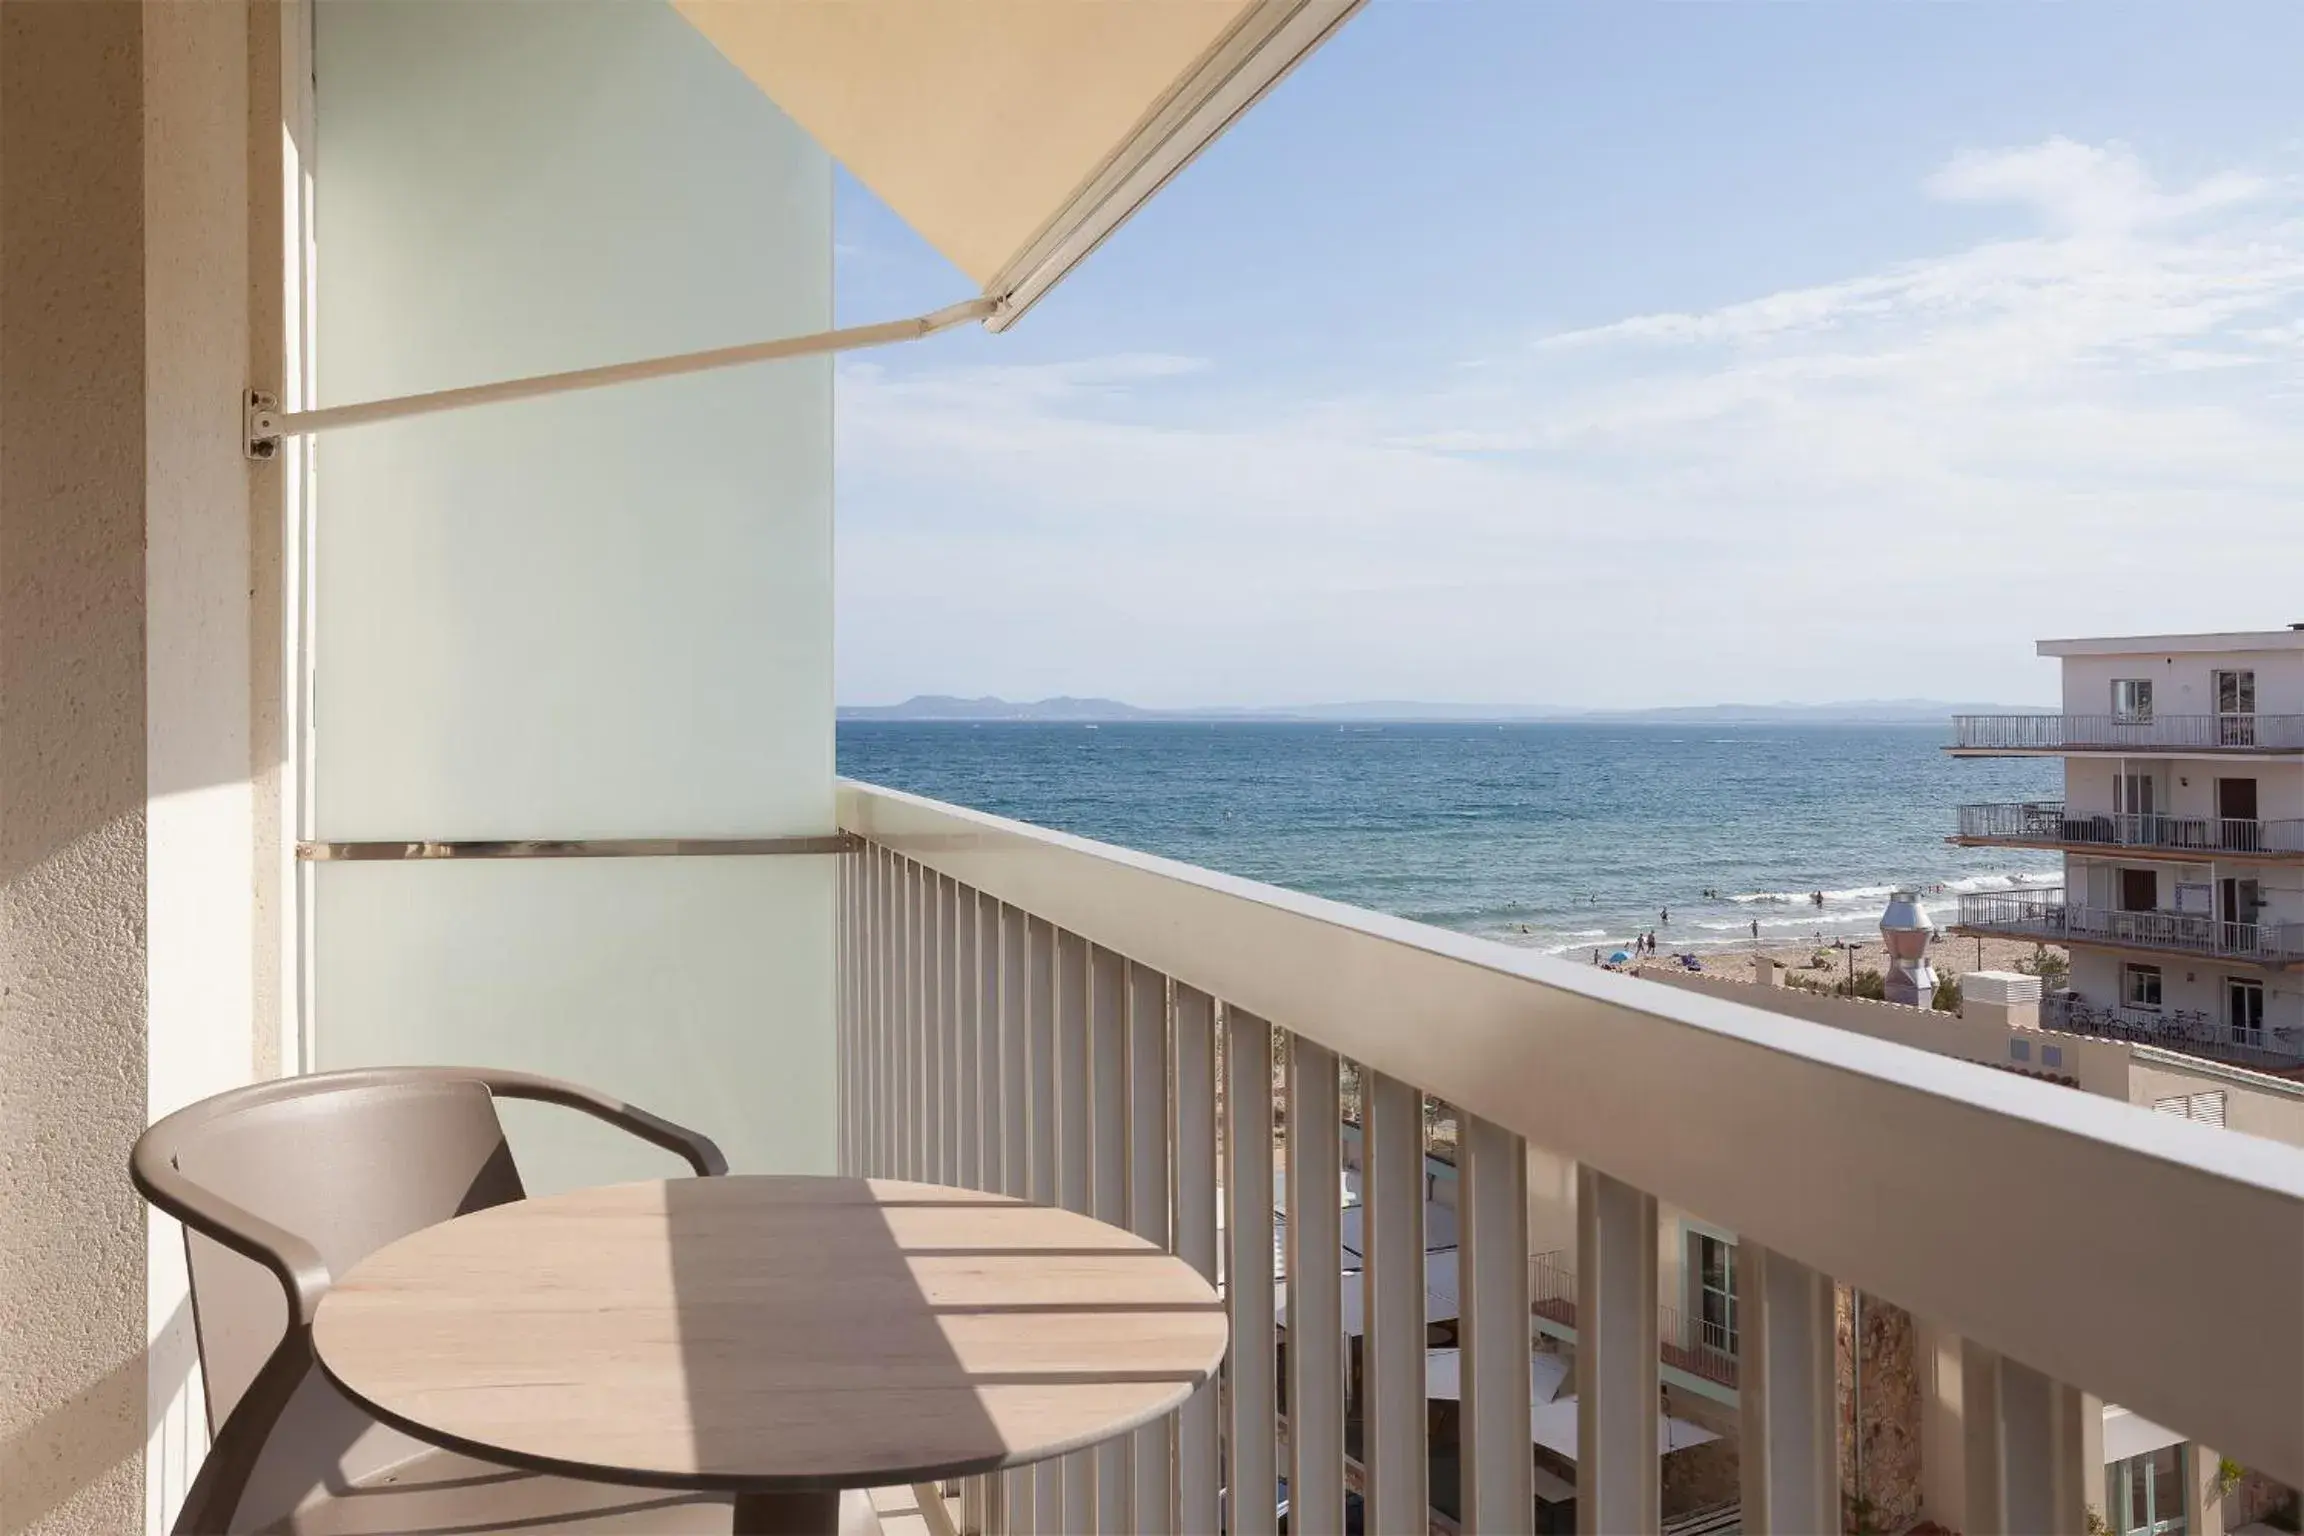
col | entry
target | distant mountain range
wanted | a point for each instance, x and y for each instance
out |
(929, 707)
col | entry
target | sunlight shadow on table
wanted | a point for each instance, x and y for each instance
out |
(835, 1331)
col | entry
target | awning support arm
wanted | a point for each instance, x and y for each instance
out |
(268, 424)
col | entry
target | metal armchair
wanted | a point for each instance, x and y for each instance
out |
(284, 1184)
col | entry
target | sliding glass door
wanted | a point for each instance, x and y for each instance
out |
(2146, 1493)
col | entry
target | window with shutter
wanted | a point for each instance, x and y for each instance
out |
(2207, 1108)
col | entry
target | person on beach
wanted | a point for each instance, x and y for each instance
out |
(1755, 930)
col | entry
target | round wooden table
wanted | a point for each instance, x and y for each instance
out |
(778, 1338)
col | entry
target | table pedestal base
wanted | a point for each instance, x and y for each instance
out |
(788, 1514)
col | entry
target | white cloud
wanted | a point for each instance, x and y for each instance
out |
(2095, 423)
(2098, 188)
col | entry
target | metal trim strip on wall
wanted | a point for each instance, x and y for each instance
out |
(575, 848)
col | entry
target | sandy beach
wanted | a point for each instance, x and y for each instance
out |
(1950, 955)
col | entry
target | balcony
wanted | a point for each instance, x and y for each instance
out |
(2044, 915)
(1690, 1346)
(1144, 1040)
(2048, 824)
(2190, 1032)
(1988, 735)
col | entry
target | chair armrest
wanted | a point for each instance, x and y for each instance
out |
(700, 1151)
(302, 1273)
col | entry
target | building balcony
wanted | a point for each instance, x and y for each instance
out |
(2187, 1031)
(2057, 735)
(2049, 824)
(1144, 1040)
(1689, 1347)
(2044, 915)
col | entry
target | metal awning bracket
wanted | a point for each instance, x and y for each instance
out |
(260, 413)
(267, 424)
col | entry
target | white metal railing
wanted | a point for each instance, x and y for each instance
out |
(2089, 733)
(1026, 1011)
(2043, 914)
(2190, 1031)
(2048, 821)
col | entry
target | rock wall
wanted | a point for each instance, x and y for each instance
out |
(2253, 1498)
(1705, 1475)
(1887, 1430)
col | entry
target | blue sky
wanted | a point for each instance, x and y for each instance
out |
(1622, 354)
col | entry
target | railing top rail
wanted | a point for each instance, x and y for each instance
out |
(2048, 732)
(1998, 1205)
(2060, 808)
(2260, 932)
(2052, 822)
(2138, 722)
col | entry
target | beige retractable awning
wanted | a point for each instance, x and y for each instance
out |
(1014, 135)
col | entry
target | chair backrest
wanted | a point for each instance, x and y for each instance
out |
(347, 1161)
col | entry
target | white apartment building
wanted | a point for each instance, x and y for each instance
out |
(2152, 1478)
(2182, 829)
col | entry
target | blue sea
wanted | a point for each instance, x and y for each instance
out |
(1562, 837)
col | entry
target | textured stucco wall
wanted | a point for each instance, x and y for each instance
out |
(200, 865)
(72, 766)
(129, 941)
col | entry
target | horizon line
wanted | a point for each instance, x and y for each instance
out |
(1911, 705)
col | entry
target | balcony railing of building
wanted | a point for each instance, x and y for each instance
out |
(2048, 822)
(1025, 1011)
(1552, 1287)
(1684, 1343)
(2189, 1031)
(2112, 733)
(2044, 915)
